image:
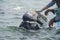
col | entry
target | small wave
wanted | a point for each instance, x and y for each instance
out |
(16, 18)
(58, 32)
(2, 13)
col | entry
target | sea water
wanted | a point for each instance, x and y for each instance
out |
(11, 12)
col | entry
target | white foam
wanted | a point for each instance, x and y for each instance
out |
(18, 8)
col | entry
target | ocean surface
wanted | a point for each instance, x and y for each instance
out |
(11, 12)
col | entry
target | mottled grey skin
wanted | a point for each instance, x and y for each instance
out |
(28, 25)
